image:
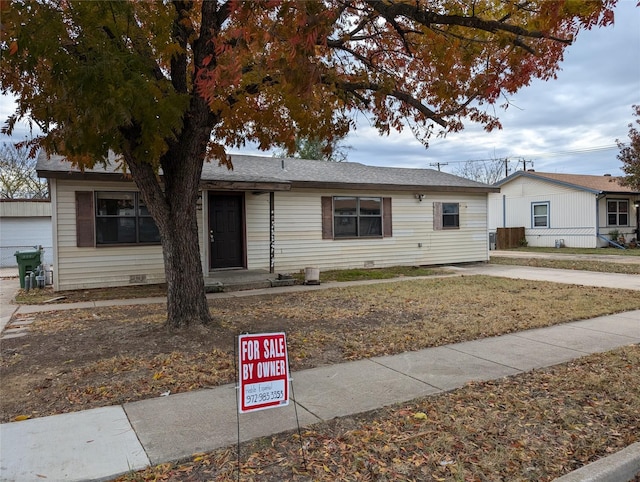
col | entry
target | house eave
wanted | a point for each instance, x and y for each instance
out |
(391, 187)
(84, 176)
(210, 185)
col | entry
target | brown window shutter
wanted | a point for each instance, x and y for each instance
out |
(437, 216)
(387, 228)
(85, 230)
(327, 217)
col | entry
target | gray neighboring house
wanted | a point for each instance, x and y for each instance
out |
(573, 210)
(273, 214)
(24, 223)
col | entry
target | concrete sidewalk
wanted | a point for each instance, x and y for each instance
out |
(102, 443)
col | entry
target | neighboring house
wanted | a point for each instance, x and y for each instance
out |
(279, 215)
(576, 211)
(24, 223)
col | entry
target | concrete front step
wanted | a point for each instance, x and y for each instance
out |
(217, 286)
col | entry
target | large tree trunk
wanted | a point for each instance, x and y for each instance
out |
(186, 300)
(173, 205)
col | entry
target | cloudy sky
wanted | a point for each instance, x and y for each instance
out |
(567, 125)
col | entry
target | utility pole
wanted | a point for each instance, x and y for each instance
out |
(506, 167)
(524, 164)
(439, 164)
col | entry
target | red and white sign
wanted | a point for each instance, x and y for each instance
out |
(263, 371)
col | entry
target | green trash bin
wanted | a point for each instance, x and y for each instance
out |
(27, 261)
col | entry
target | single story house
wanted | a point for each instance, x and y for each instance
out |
(274, 214)
(24, 225)
(570, 210)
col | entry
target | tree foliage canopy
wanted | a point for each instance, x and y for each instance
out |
(167, 85)
(630, 154)
(120, 73)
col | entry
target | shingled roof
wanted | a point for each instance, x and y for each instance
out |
(252, 172)
(596, 184)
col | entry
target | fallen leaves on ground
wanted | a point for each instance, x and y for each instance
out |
(531, 427)
(80, 359)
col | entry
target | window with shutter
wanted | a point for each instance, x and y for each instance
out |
(356, 217)
(85, 228)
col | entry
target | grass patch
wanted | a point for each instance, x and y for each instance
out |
(376, 273)
(41, 296)
(585, 251)
(574, 264)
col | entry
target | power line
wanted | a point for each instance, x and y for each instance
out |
(586, 150)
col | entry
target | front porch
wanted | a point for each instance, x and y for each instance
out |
(244, 279)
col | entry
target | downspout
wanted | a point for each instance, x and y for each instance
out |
(504, 211)
(53, 198)
(598, 198)
(272, 232)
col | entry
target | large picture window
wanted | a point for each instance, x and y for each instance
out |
(355, 217)
(345, 217)
(123, 218)
(617, 212)
(540, 215)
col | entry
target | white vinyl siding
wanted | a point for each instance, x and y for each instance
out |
(298, 237)
(92, 267)
(572, 212)
(299, 242)
(576, 216)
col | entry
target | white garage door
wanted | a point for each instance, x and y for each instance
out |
(22, 234)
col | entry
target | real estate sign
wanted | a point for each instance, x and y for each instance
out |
(263, 371)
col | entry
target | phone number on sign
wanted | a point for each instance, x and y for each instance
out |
(265, 392)
(275, 396)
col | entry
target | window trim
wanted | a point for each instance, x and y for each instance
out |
(456, 216)
(137, 217)
(358, 217)
(327, 209)
(547, 216)
(617, 213)
(85, 220)
(439, 214)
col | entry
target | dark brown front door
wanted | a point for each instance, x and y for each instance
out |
(226, 228)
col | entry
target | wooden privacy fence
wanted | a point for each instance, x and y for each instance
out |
(509, 237)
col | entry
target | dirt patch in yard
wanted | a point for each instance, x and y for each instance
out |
(78, 359)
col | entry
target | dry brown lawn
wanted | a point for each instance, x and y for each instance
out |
(533, 427)
(78, 359)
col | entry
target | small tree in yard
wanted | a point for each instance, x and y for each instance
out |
(167, 85)
(18, 178)
(488, 172)
(630, 154)
(319, 149)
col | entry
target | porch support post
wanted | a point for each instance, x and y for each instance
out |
(272, 232)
